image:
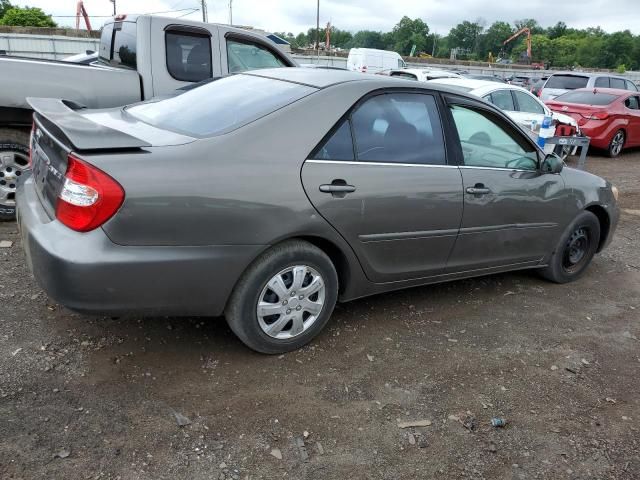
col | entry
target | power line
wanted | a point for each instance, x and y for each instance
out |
(192, 10)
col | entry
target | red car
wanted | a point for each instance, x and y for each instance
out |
(611, 117)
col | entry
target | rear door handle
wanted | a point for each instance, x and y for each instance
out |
(337, 188)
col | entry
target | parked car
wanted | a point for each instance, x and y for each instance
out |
(519, 81)
(486, 78)
(560, 83)
(140, 57)
(522, 106)
(422, 74)
(610, 117)
(536, 86)
(393, 184)
(371, 60)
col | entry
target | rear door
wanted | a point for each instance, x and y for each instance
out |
(513, 214)
(381, 178)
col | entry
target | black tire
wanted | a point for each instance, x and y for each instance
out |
(11, 140)
(575, 250)
(617, 144)
(241, 313)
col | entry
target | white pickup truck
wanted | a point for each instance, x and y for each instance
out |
(140, 57)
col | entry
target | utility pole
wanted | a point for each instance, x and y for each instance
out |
(114, 7)
(318, 28)
(205, 17)
(231, 12)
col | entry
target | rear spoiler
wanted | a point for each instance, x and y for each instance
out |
(81, 132)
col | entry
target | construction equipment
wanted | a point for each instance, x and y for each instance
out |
(82, 12)
(522, 31)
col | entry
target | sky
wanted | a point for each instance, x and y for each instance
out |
(299, 15)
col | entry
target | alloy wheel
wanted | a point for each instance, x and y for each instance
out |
(291, 302)
(617, 143)
(12, 166)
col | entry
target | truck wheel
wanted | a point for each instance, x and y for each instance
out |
(284, 298)
(14, 163)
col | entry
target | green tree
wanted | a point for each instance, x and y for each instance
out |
(340, 38)
(27, 17)
(465, 35)
(530, 23)
(558, 30)
(408, 33)
(367, 39)
(302, 41)
(493, 39)
(4, 6)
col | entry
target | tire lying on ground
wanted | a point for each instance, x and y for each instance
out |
(14, 163)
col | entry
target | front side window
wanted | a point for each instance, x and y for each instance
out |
(485, 143)
(243, 56)
(528, 104)
(399, 128)
(602, 82)
(502, 99)
(188, 56)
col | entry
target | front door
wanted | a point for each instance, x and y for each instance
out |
(382, 180)
(513, 214)
(632, 110)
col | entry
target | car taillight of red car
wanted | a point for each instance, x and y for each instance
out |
(89, 197)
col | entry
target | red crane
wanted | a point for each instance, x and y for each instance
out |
(82, 12)
(526, 30)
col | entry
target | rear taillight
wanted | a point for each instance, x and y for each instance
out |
(89, 197)
(596, 116)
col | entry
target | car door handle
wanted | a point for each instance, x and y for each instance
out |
(478, 189)
(338, 187)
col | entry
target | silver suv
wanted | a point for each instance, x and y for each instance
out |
(563, 82)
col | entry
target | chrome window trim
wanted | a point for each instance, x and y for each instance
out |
(497, 168)
(382, 164)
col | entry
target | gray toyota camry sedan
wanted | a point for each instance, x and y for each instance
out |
(270, 196)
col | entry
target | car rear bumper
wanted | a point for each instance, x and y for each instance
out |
(89, 273)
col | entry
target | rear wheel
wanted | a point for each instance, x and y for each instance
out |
(14, 163)
(576, 249)
(617, 144)
(284, 299)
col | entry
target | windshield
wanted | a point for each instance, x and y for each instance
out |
(221, 106)
(587, 98)
(567, 82)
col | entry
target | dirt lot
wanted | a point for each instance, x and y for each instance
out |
(87, 397)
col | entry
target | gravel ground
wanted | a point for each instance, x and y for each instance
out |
(93, 397)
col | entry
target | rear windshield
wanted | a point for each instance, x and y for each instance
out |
(586, 98)
(118, 44)
(220, 106)
(567, 82)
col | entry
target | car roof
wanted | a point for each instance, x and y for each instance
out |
(589, 75)
(322, 78)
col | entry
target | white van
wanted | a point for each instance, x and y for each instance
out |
(370, 60)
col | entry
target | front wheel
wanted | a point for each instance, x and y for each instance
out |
(617, 144)
(576, 249)
(284, 299)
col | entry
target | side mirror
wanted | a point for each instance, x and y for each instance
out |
(552, 164)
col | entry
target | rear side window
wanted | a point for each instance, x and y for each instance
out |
(221, 106)
(118, 44)
(399, 128)
(618, 83)
(602, 82)
(587, 98)
(243, 56)
(188, 56)
(502, 99)
(528, 104)
(337, 147)
(567, 82)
